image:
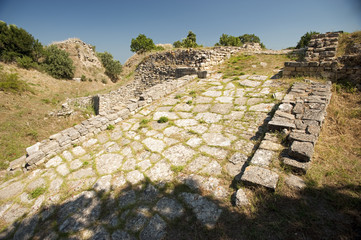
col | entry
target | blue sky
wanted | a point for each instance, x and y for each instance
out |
(110, 25)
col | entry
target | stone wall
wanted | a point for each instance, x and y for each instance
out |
(44, 150)
(321, 61)
(301, 114)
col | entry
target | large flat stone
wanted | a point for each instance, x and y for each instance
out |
(206, 211)
(262, 157)
(11, 190)
(108, 163)
(249, 83)
(302, 151)
(260, 176)
(178, 155)
(216, 139)
(297, 166)
(154, 145)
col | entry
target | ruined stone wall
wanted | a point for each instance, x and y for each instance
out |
(321, 61)
(155, 79)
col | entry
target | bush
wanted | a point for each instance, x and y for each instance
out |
(83, 78)
(189, 42)
(10, 82)
(142, 44)
(16, 42)
(112, 67)
(25, 62)
(305, 39)
(57, 63)
(228, 40)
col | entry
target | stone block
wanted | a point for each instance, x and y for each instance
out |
(33, 149)
(278, 124)
(296, 166)
(302, 137)
(35, 157)
(302, 151)
(260, 176)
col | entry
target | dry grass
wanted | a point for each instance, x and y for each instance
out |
(346, 41)
(240, 64)
(24, 117)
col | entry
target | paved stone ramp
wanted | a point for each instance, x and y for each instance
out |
(133, 181)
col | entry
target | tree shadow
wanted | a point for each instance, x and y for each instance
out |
(312, 213)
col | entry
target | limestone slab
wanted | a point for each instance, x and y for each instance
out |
(260, 176)
(108, 163)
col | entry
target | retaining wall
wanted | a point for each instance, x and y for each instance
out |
(321, 61)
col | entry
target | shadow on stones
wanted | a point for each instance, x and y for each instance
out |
(164, 211)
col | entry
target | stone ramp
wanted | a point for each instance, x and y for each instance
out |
(299, 118)
(174, 157)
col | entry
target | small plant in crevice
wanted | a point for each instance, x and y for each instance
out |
(189, 102)
(110, 127)
(163, 120)
(37, 192)
(178, 96)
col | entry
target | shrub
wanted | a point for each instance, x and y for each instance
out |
(10, 82)
(189, 42)
(16, 42)
(305, 39)
(104, 81)
(57, 63)
(37, 192)
(110, 127)
(142, 44)
(228, 40)
(25, 62)
(83, 78)
(163, 120)
(112, 67)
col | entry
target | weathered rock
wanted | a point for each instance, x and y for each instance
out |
(302, 151)
(301, 167)
(295, 182)
(262, 157)
(126, 199)
(260, 176)
(179, 154)
(154, 230)
(154, 145)
(241, 198)
(302, 137)
(169, 208)
(108, 163)
(269, 145)
(122, 235)
(216, 139)
(206, 211)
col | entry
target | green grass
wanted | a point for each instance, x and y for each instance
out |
(10, 82)
(37, 192)
(110, 127)
(163, 120)
(178, 96)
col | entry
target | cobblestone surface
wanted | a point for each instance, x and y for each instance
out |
(120, 184)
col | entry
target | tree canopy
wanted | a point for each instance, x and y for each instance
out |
(112, 67)
(189, 42)
(305, 39)
(142, 44)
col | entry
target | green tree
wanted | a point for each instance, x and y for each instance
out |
(112, 67)
(16, 42)
(305, 39)
(249, 38)
(228, 40)
(142, 44)
(189, 42)
(57, 63)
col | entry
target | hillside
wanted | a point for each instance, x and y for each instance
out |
(24, 117)
(84, 59)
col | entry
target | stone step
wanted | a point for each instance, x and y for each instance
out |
(260, 176)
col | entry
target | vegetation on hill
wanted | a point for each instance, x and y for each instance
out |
(113, 67)
(189, 42)
(228, 40)
(10, 82)
(143, 44)
(347, 41)
(305, 39)
(57, 63)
